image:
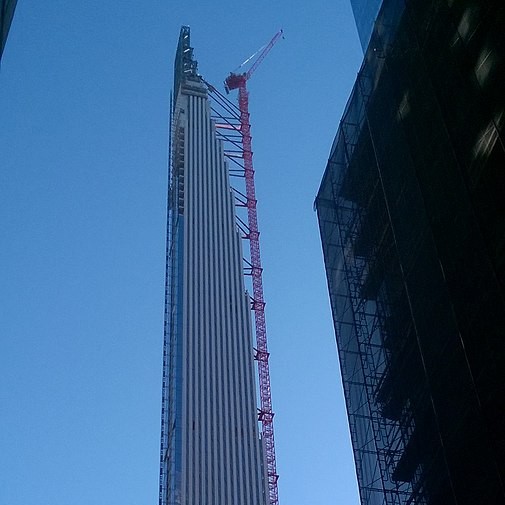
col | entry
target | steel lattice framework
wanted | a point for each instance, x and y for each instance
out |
(234, 129)
(266, 415)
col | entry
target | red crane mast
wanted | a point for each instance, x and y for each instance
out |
(265, 414)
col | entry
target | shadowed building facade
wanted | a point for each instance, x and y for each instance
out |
(6, 13)
(365, 13)
(411, 211)
(210, 446)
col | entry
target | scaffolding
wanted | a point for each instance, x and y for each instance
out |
(172, 329)
(350, 206)
(405, 235)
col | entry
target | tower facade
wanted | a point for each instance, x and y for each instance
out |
(210, 447)
(411, 211)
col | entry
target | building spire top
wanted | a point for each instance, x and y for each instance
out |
(186, 67)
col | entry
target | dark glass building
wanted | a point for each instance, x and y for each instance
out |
(411, 211)
(365, 13)
(6, 13)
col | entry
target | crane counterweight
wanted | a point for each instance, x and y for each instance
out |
(234, 81)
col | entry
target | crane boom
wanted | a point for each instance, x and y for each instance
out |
(233, 81)
(265, 51)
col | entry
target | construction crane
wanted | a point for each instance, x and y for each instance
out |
(265, 413)
(236, 81)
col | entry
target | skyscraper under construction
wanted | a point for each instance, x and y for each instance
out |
(411, 210)
(211, 452)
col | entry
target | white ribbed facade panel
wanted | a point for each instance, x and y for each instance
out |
(210, 442)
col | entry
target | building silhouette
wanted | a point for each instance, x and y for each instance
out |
(6, 13)
(211, 451)
(411, 211)
(365, 13)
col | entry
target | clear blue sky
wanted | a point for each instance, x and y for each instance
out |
(84, 93)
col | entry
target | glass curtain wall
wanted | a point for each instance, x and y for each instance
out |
(411, 213)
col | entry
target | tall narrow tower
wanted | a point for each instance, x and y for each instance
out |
(210, 447)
